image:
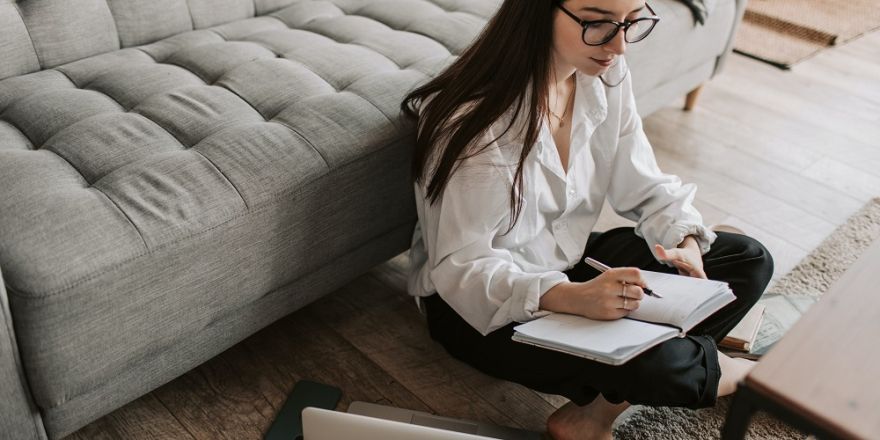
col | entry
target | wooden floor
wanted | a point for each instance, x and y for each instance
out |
(785, 156)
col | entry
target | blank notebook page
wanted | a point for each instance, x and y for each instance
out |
(681, 296)
(590, 335)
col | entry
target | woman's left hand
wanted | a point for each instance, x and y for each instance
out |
(687, 258)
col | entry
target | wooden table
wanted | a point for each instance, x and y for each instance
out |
(824, 376)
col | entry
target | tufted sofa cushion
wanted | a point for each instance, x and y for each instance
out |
(38, 34)
(166, 140)
(135, 180)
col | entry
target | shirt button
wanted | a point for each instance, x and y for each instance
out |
(571, 193)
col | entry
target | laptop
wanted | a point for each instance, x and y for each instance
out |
(323, 424)
(420, 418)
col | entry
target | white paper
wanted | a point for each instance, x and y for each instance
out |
(681, 297)
(685, 302)
(602, 337)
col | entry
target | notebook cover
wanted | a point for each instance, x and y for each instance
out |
(744, 334)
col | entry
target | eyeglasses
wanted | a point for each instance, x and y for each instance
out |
(599, 32)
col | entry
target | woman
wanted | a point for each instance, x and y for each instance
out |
(519, 143)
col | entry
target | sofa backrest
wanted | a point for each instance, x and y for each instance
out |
(42, 34)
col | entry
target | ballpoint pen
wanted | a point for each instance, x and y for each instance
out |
(601, 267)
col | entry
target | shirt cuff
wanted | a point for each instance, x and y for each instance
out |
(531, 306)
(677, 233)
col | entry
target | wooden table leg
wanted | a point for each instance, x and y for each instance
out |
(739, 414)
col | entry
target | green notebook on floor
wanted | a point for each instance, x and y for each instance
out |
(686, 302)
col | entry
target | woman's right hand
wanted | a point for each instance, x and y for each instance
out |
(599, 298)
(602, 297)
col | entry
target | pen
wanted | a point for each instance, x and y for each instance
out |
(601, 267)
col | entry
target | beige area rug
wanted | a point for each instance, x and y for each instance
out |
(812, 276)
(783, 32)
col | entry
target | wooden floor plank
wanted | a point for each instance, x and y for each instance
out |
(384, 323)
(849, 81)
(866, 47)
(811, 99)
(691, 133)
(858, 183)
(699, 159)
(761, 119)
(726, 131)
(145, 418)
(809, 104)
(302, 347)
(237, 394)
(786, 221)
(217, 400)
(785, 254)
(854, 64)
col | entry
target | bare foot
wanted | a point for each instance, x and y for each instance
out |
(733, 370)
(590, 422)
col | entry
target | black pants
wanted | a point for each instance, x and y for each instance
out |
(679, 372)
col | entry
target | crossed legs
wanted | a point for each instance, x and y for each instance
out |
(594, 420)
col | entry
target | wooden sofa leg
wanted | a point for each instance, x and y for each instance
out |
(690, 101)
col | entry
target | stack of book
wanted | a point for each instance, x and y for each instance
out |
(743, 336)
(765, 325)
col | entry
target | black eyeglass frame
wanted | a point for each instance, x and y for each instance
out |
(620, 25)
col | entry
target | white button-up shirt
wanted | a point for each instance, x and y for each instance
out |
(491, 279)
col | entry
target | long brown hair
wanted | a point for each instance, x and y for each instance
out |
(508, 61)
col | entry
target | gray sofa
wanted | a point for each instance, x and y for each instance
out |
(177, 174)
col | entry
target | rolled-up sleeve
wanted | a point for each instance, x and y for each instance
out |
(660, 204)
(478, 280)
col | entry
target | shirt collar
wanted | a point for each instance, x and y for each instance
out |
(590, 109)
(590, 100)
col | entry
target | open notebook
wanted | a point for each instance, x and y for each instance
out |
(686, 302)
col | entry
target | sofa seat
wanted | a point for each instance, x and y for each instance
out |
(153, 191)
(680, 54)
